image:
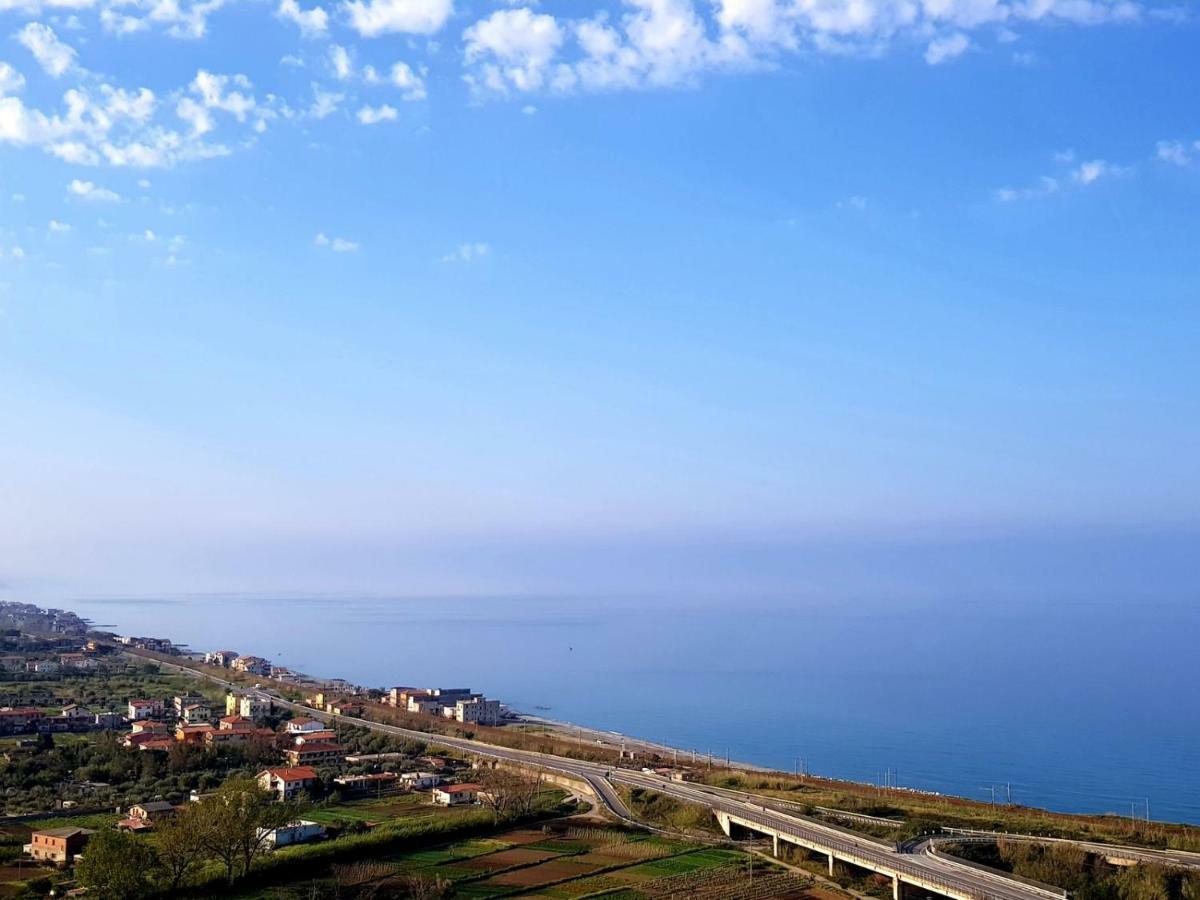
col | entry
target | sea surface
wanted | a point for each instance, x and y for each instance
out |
(1078, 706)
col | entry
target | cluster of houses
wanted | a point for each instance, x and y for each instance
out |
(460, 704)
(60, 846)
(156, 724)
(31, 719)
(155, 645)
(231, 659)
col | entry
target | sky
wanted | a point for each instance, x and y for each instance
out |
(440, 295)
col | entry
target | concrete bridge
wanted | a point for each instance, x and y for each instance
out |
(930, 873)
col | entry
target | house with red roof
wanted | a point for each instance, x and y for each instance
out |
(288, 782)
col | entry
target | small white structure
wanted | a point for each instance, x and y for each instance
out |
(304, 726)
(456, 794)
(420, 781)
(145, 709)
(294, 833)
(478, 711)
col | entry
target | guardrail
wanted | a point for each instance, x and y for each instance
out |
(859, 817)
(971, 864)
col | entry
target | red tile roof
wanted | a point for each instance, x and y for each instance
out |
(293, 773)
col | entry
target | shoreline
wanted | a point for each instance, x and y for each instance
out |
(584, 736)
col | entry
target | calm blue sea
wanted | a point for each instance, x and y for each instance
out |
(1078, 706)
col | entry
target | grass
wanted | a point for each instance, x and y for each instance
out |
(927, 811)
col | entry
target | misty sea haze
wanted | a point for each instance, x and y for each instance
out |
(1079, 705)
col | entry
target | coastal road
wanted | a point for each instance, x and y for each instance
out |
(929, 870)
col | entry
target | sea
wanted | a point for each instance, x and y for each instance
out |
(1080, 706)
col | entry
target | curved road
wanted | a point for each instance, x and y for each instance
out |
(954, 878)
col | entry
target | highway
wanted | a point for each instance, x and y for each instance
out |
(927, 869)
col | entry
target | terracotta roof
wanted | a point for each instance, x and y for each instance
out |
(461, 788)
(293, 773)
(318, 747)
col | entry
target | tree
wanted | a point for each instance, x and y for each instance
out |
(179, 843)
(509, 793)
(117, 866)
(235, 821)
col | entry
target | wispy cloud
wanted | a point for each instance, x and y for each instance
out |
(465, 253)
(336, 244)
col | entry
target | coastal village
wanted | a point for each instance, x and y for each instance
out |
(134, 755)
(116, 738)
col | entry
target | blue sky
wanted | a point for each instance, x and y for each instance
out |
(279, 283)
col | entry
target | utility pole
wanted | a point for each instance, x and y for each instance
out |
(1008, 792)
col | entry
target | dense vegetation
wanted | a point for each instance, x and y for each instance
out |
(1086, 876)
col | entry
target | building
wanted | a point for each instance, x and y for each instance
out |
(73, 713)
(344, 707)
(425, 705)
(197, 714)
(252, 707)
(42, 666)
(145, 709)
(222, 658)
(228, 723)
(109, 720)
(251, 665)
(377, 781)
(314, 737)
(456, 794)
(183, 701)
(299, 832)
(153, 809)
(359, 759)
(58, 845)
(477, 711)
(193, 734)
(319, 754)
(20, 718)
(150, 726)
(304, 726)
(288, 783)
(420, 781)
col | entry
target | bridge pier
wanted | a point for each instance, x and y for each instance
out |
(897, 888)
(831, 861)
(775, 845)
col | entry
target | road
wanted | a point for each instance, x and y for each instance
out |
(954, 878)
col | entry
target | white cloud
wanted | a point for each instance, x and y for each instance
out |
(11, 80)
(515, 47)
(1176, 152)
(184, 19)
(337, 244)
(55, 57)
(341, 62)
(649, 43)
(1044, 188)
(529, 109)
(324, 104)
(410, 83)
(90, 191)
(373, 115)
(215, 93)
(311, 22)
(856, 202)
(946, 48)
(1093, 170)
(371, 18)
(465, 253)
(57, 227)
